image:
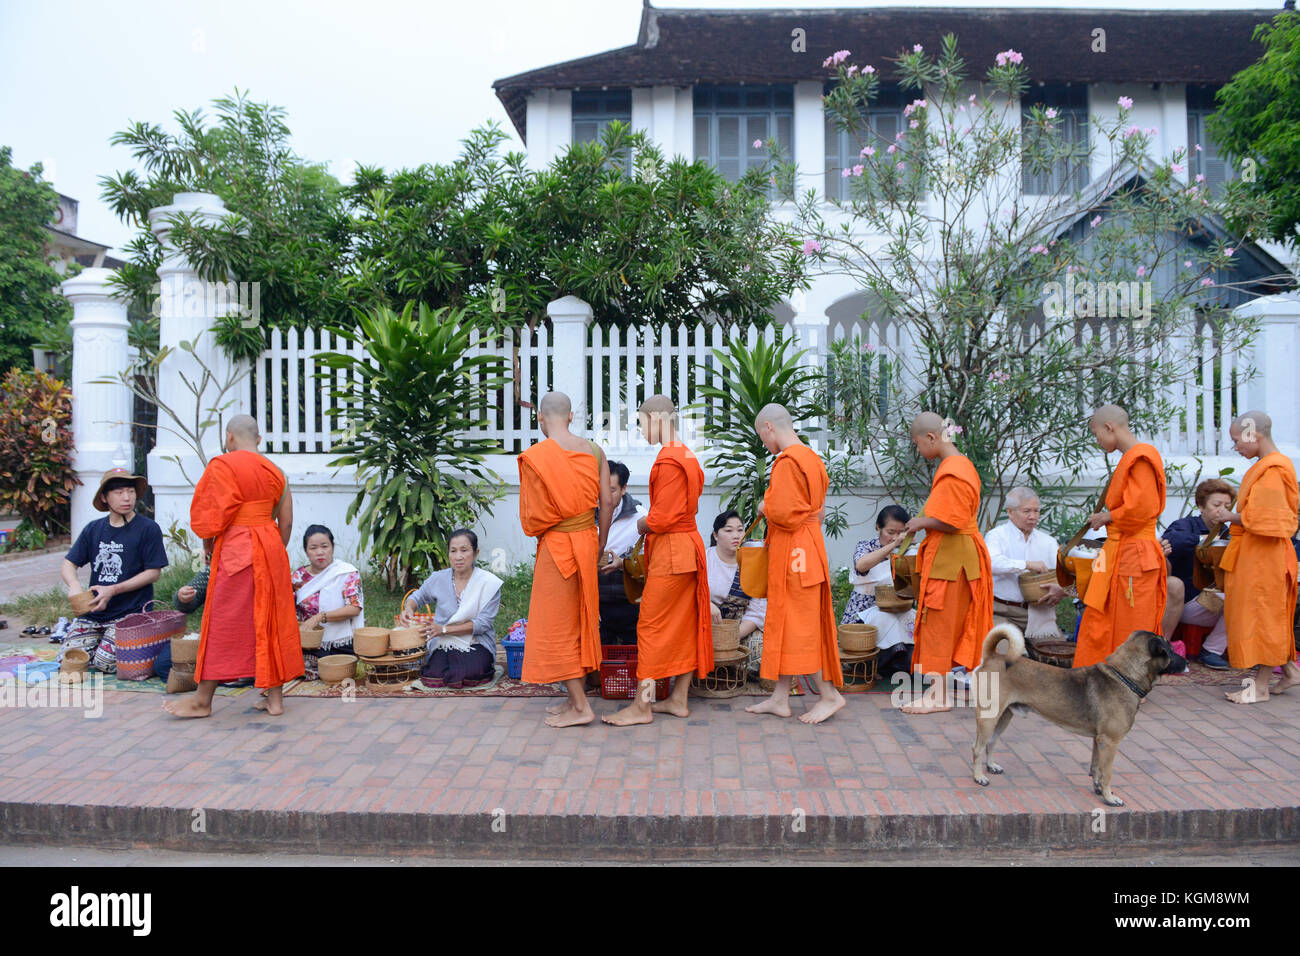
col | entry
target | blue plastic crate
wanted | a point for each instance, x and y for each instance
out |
(514, 659)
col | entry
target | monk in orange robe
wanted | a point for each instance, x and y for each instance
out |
(1128, 586)
(243, 511)
(674, 631)
(1260, 563)
(563, 481)
(799, 635)
(955, 603)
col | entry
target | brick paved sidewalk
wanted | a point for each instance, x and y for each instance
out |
(484, 777)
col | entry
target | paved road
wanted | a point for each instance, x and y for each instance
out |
(1282, 855)
(40, 572)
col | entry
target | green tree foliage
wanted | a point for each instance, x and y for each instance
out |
(31, 311)
(975, 272)
(286, 226)
(751, 377)
(1258, 123)
(411, 404)
(36, 476)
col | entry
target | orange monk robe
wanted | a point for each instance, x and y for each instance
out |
(559, 491)
(799, 629)
(1129, 584)
(674, 630)
(249, 625)
(955, 604)
(1260, 587)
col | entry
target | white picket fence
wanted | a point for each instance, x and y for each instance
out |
(288, 390)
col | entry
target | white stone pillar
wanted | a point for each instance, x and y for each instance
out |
(570, 317)
(1276, 356)
(189, 306)
(810, 136)
(101, 412)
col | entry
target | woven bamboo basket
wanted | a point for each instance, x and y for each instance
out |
(860, 671)
(311, 639)
(1034, 584)
(337, 667)
(887, 599)
(857, 638)
(370, 641)
(81, 602)
(185, 651)
(726, 635)
(1211, 600)
(1049, 651)
(72, 668)
(403, 639)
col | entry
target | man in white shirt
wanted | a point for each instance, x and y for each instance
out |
(618, 616)
(1014, 548)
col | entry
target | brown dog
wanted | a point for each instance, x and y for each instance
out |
(1100, 701)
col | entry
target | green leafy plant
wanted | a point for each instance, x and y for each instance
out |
(752, 378)
(36, 475)
(410, 405)
(25, 537)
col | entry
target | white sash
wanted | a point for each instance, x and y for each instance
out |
(330, 585)
(479, 590)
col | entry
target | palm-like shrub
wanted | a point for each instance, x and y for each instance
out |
(411, 403)
(753, 377)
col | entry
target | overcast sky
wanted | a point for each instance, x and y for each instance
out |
(380, 82)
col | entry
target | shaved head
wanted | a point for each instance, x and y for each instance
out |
(1263, 424)
(776, 415)
(927, 423)
(244, 427)
(1109, 415)
(554, 405)
(657, 405)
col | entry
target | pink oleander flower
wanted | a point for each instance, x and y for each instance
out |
(1198, 147)
(868, 151)
(916, 48)
(1187, 263)
(1177, 167)
(1207, 281)
(1051, 112)
(1228, 251)
(844, 174)
(870, 348)
(1009, 56)
(810, 246)
(1038, 249)
(892, 148)
(1151, 130)
(971, 99)
(853, 69)
(1125, 102)
(961, 109)
(913, 125)
(1142, 270)
(857, 170)
(1200, 177)
(1095, 222)
(1130, 131)
(758, 143)
(868, 69)
(902, 165)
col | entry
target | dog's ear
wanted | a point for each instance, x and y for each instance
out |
(1157, 646)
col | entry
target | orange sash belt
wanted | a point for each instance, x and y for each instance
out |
(578, 522)
(253, 513)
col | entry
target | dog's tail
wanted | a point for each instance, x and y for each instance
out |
(1011, 634)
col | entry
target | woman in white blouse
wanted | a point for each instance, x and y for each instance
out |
(727, 600)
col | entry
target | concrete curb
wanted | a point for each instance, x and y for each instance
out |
(633, 837)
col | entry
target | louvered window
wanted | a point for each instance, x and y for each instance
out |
(729, 119)
(844, 149)
(1071, 104)
(1209, 160)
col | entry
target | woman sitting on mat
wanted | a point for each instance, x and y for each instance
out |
(871, 568)
(327, 592)
(727, 599)
(463, 646)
